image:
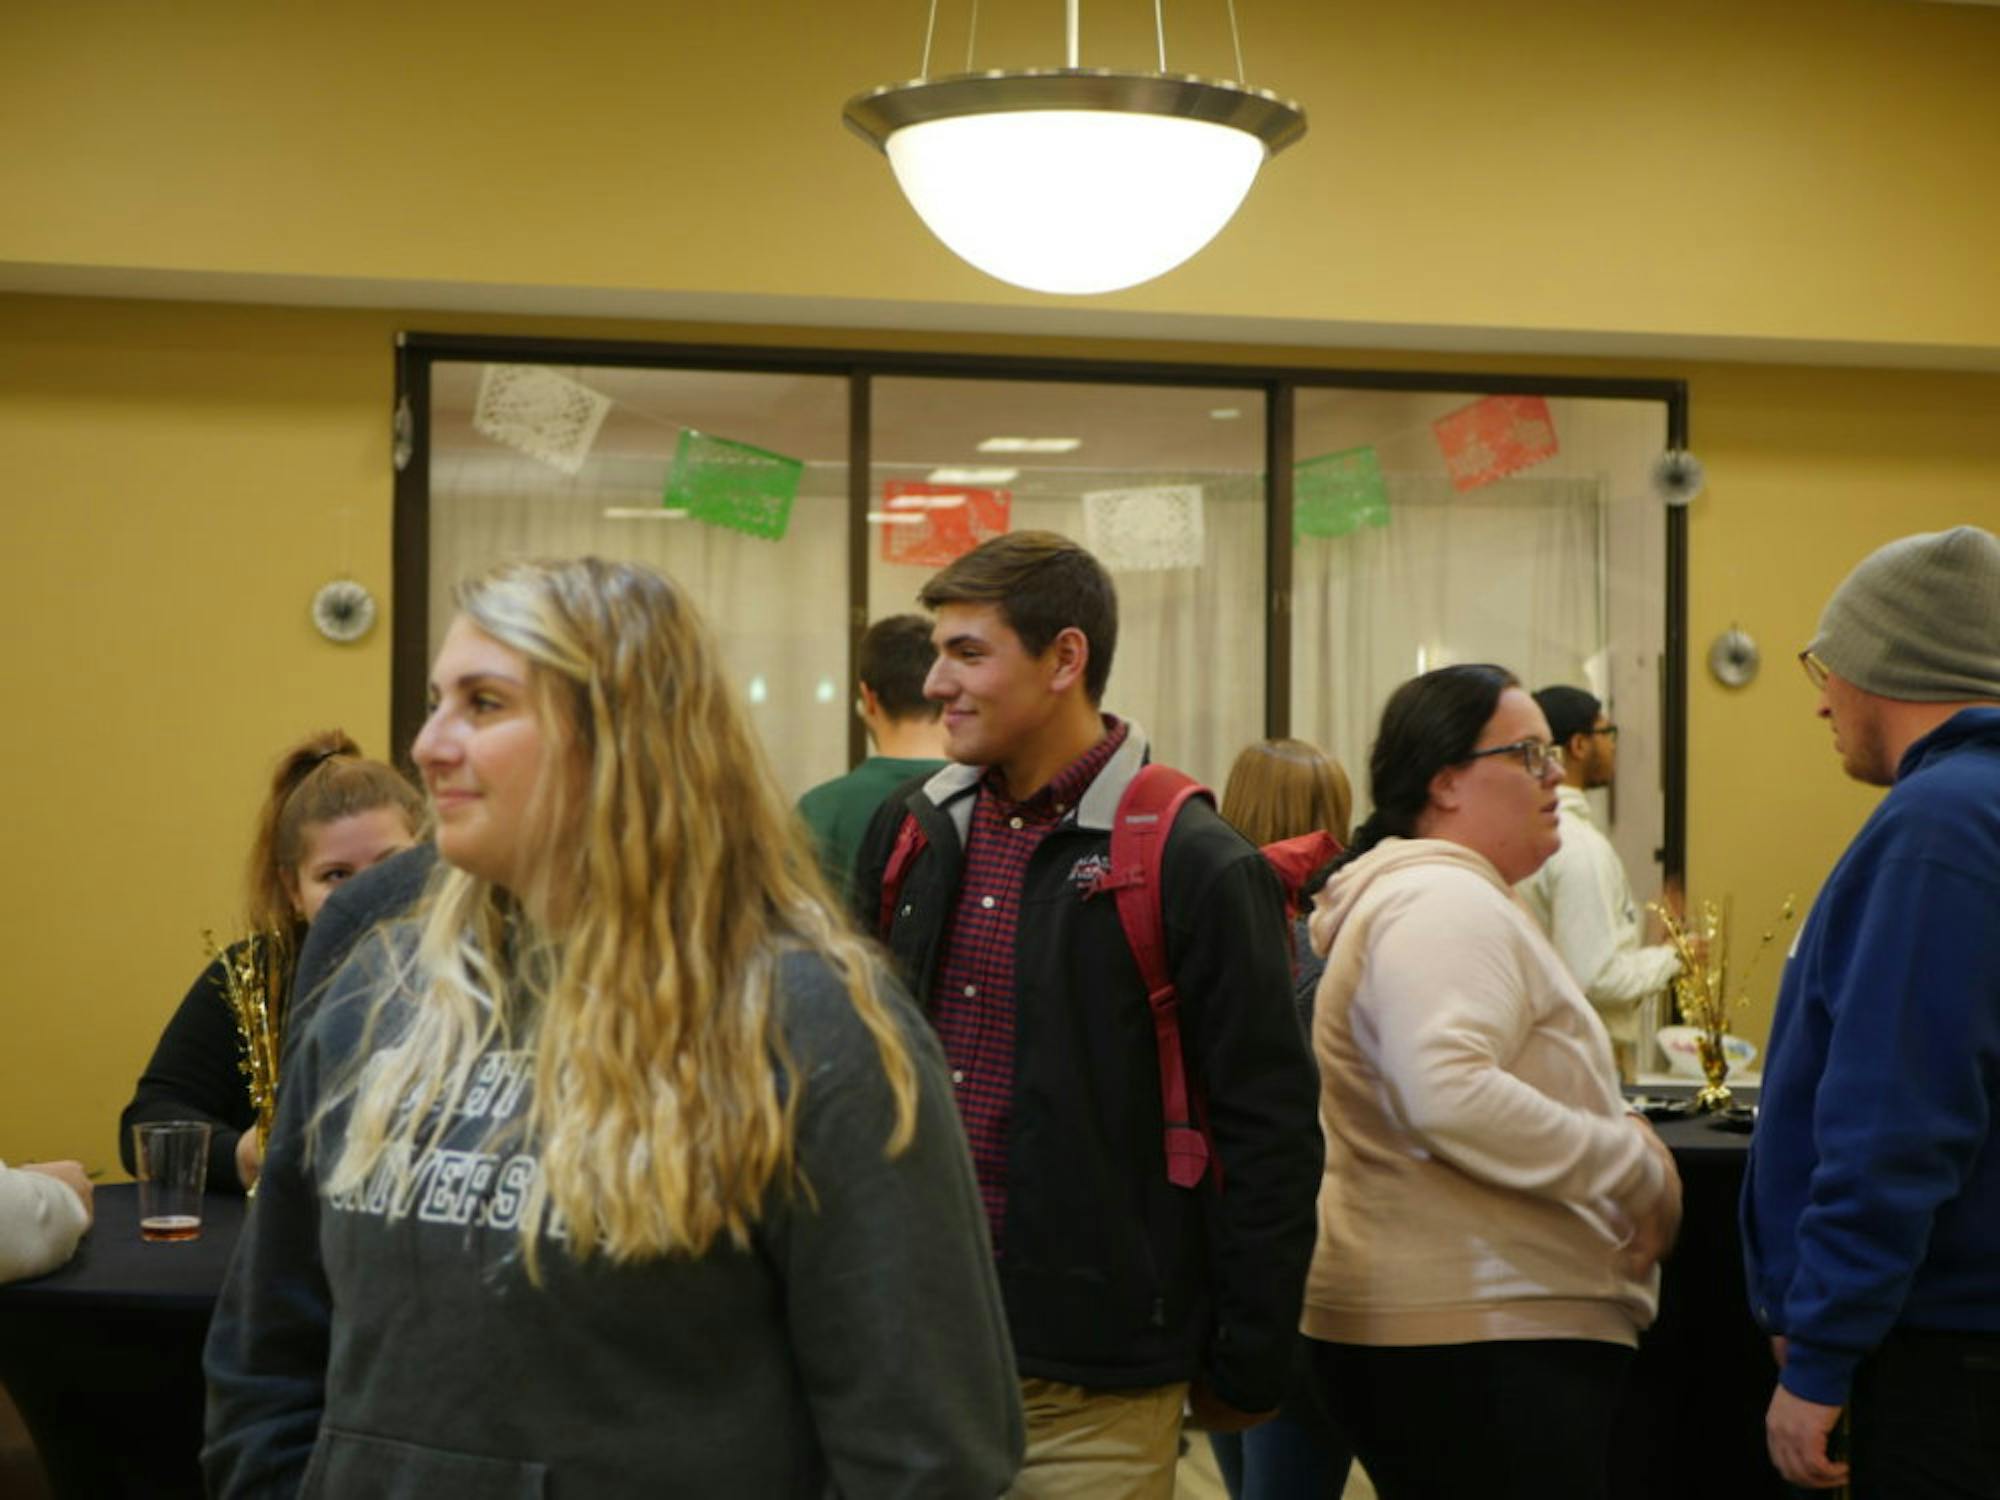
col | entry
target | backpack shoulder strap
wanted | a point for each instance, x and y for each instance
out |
(1139, 830)
(910, 842)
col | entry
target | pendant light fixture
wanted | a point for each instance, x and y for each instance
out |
(1073, 179)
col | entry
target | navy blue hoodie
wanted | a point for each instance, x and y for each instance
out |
(1873, 1195)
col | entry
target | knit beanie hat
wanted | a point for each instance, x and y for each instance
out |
(1919, 619)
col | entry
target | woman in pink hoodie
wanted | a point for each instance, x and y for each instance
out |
(1491, 1216)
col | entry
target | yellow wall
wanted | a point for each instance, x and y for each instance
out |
(1798, 169)
(180, 477)
(1811, 470)
(179, 481)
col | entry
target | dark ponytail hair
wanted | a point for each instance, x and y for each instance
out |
(1429, 723)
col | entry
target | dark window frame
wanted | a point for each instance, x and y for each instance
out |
(416, 352)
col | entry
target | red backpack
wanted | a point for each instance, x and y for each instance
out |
(1139, 829)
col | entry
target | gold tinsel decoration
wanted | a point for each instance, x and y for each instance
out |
(251, 984)
(1702, 992)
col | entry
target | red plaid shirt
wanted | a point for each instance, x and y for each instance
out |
(972, 998)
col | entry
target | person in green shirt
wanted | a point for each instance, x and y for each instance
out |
(903, 727)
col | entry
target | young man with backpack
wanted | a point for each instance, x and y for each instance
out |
(1148, 1153)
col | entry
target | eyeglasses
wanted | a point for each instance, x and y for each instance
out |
(1816, 670)
(1536, 756)
(1610, 730)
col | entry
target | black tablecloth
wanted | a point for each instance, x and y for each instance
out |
(1693, 1420)
(103, 1357)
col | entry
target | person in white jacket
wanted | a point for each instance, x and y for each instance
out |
(44, 1211)
(1490, 1217)
(1582, 896)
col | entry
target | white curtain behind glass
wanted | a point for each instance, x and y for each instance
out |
(1189, 665)
(1510, 573)
(777, 607)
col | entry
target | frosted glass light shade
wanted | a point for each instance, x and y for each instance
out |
(1074, 200)
(1075, 181)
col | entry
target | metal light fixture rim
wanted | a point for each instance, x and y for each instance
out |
(879, 113)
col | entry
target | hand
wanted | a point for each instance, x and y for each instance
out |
(1779, 1349)
(72, 1176)
(1211, 1413)
(249, 1158)
(1795, 1430)
(1655, 1230)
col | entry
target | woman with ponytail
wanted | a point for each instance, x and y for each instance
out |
(328, 814)
(1491, 1217)
(626, 1169)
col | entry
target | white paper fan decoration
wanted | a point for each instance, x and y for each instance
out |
(540, 411)
(1145, 530)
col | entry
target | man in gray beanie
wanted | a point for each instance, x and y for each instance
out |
(1871, 1207)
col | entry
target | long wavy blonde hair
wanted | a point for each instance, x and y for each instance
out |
(665, 1101)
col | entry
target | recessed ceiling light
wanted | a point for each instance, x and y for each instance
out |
(1225, 413)
(969, 476)
(894, 518)
(1031, 445)
(924, 502)
(643, 513)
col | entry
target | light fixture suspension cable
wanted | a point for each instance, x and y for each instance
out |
(1074, 8)
(1236, 37)
(971, 31)
(930, 30)
(1160, 33)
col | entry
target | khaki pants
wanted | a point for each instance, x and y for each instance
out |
(1099, 1445)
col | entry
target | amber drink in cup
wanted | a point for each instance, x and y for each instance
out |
(173, 1169)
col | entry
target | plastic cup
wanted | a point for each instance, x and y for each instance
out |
(173, 1170)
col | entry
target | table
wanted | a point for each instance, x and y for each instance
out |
(1693, 1419)
(103, 1357)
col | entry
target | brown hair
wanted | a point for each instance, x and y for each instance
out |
(895, 658)
(1043, 585)
(1279, 789)
(322, 779)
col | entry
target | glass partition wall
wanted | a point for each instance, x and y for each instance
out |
(1538, 545)
(500, 492)
(1165, 484)
(1288, 545)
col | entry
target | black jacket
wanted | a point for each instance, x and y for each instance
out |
(194, 1074)
(1112, 1276)
(381, 893)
